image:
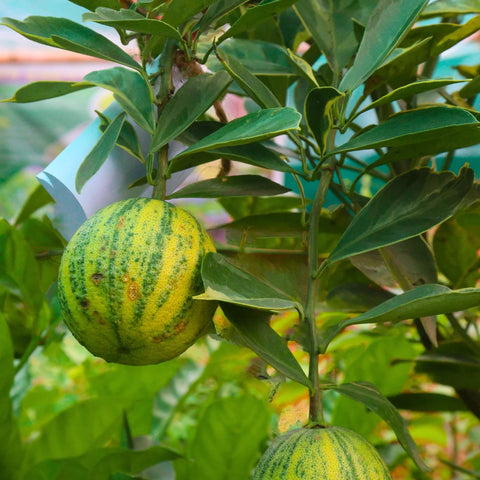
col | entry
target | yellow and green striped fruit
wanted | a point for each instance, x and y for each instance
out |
(127, 278)
(323, 453)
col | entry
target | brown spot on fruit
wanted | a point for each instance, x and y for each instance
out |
(96, 278)
(84, 303)
(125, 278)
(133, 291)
(120, 222)
(179, 327)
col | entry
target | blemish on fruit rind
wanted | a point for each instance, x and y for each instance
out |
(133, 291)
(97, 278)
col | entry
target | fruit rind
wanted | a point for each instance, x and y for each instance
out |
(324, 453)
(127, 279)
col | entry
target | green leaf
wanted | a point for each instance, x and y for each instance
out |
(216, 11)
(242, 207)
(303, 68)
(181, 111)
(253, 127)
(180, 11)
(11, 451)
(258, 57)
(99, 153)
(250, 84)
(318, 113)
(67, 35)
(127, 139)
(102, 463)
(427, 402)
(367, 394)
(422, 301)
(36, 91)
(131, 20)
(332, 28)
(417, 201)
(450, 8)
(76, 430)
(228, 437)
(471, 89)
(19, 272)
(94, 4)
(235, 186)
(452, 363)
(256, 334)
(130, 90)
(412, 127)
(252, 153)
(256, 15)
(37, 199)
(410, 90)
(227, 283)
(387, 25)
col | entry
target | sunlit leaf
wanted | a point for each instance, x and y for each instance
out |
(43, 90)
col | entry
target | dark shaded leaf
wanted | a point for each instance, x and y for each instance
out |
(417, 201)
(235, 186)
(256, 333)
(181, 111)
(427, 402)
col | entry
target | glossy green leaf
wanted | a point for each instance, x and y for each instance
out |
(181, 111)
(130, 90)
(450, 8)
(253, 127)
(332, 28)
(218, 10)
(226, 283)
(258, 57)
(102, 463)
(234, 186)
(417, 201)
(452, 363)
(36, 200)
(427, 402)
(318, 113)
(11, 451)
(94, 4)
(387, 25)
(303, 67)
(410, 128)
(471, 89)
(99, 153)
(256, 15)
(410, 90)
(43, 90)
(252, 153)
(133, 21)
(256, 334)
(228, 437)
(367, 394)
(65, 34)
(127, 138)
(250, 84)
(180, 11)
(465, 30)
(422, 301)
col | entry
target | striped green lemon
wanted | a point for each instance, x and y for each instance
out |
(127, 278)
(323, 453)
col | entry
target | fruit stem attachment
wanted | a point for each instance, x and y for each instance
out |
(316, 407)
